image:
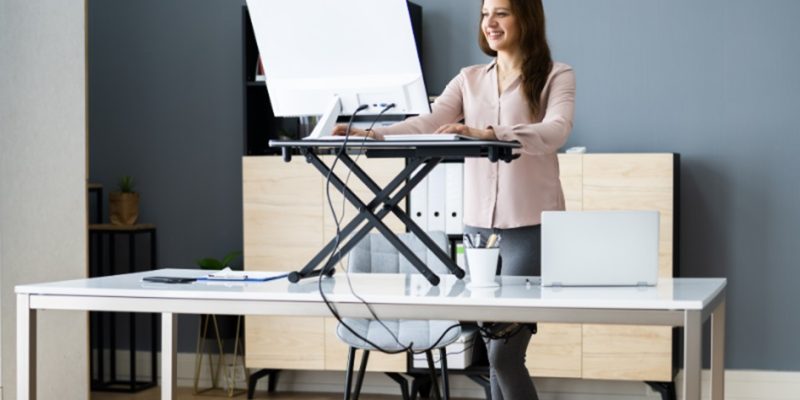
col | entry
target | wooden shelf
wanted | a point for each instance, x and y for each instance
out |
(121, 228)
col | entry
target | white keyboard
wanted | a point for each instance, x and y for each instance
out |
(339, 138)
(418, 137)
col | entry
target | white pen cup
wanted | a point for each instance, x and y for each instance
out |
(482, 266)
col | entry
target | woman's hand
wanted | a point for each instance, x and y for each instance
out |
(341, 130)
(461, 129)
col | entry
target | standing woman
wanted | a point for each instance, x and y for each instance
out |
(521, 95)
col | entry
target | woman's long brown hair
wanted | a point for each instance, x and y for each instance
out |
(536, 59)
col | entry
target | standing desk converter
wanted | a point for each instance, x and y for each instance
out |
(681, 302)
(421, 158)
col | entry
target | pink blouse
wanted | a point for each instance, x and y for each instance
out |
(506, 195)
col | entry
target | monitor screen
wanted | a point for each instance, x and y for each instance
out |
(323, 55)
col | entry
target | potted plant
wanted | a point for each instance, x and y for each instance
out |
(123, 205)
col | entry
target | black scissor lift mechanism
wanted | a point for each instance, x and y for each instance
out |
(421, 158)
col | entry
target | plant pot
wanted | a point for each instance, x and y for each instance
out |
(123, 208)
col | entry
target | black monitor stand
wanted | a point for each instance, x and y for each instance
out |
(421, 158)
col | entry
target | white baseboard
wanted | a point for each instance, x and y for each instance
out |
(739, 384)
(752, 385)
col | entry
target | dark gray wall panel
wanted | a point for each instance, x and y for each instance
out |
(165, 106)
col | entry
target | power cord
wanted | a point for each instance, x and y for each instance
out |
(331, 306)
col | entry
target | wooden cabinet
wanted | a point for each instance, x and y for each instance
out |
(555, 351)
(286, 221)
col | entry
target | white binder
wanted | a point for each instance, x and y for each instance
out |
(454, 198)
(436, 201)
(419, 203)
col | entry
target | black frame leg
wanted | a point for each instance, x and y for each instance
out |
(348, 376)
(434, 378)
(666, 389)
(362, 369)
(254, 378)
(420, 385)
(445, 380)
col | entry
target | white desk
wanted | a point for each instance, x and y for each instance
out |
(685, 302)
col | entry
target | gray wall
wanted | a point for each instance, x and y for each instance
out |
(43, 183)
(714, 80)
(165, 106)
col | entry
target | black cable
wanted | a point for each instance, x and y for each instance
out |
(347, 270)
(331, 306)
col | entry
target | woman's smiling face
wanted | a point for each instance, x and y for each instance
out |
(499, 25)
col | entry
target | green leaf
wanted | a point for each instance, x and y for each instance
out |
(126, 184)
(230, 257)
(213, 263)
(210, 263)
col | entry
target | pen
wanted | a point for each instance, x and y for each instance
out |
(228, 277)
(468, 240)
(478, 239)
(491, 241)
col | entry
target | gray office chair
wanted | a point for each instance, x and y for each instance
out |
(374, 254)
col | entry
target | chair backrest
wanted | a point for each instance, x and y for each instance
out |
(374, 254)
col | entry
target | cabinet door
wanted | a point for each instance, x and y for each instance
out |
(282, 231)
(285, 342)
(634, 182)
(555, 351)
(282, 213)
(631, 182)
(639, 353)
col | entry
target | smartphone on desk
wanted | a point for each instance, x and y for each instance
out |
(168, 279)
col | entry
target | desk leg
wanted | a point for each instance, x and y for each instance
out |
(692, 354)
(26, 349)
(169, 339)
(718, 352)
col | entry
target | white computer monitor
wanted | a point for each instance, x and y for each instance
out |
(326, 58)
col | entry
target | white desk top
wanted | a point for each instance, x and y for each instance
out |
(669, 294)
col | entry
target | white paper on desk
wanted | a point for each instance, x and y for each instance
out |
(228, 275)
(436, 200)
(419, 203)
(454, 198)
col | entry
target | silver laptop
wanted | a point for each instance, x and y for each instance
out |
(599, 248)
